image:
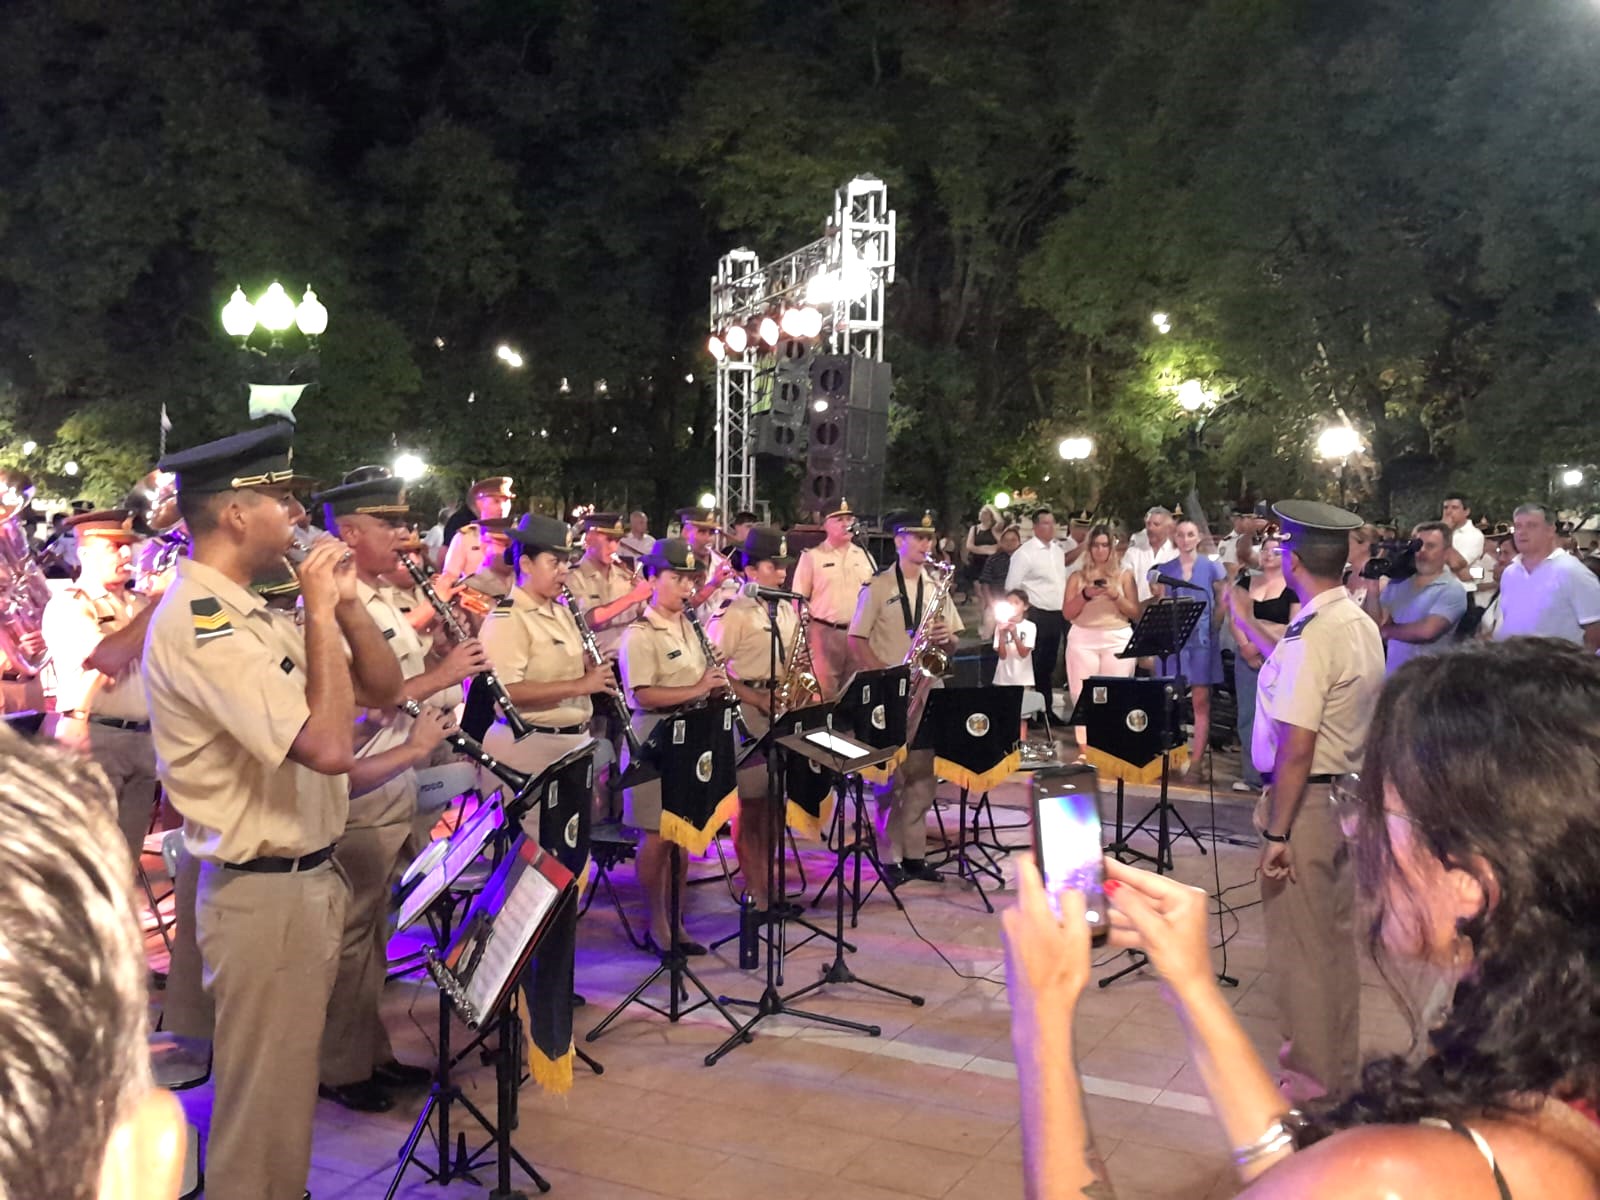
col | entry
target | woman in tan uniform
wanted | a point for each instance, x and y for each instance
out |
(663, 669)
(743, 636)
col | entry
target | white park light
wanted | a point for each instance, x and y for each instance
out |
(310, 317)
(1162, 322)
(238, 315)
(1192, 396)
(71, 468)
(707, 500)
(409, 467)
(29, 447)
(507, 355)
(1338, 441)
(1075, 449)
(1571, 477)
(275, 310)
(1002, 500)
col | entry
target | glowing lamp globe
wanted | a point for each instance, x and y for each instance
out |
(707, 500)
(310, 317)
(275, 310)
(409, 467)
(1002, 500)
(238, 315)
(1192, 395)
(1338, 441)
(1572, 477)
(768, 331)
(737, 339)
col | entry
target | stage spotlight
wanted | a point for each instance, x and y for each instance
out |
(792, 323)
(736, 339)
(810, 322)
(715, 348)
(768, 331)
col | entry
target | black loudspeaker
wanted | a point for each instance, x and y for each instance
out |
(778, 411)
(848, 434)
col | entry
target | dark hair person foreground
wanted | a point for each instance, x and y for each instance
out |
(1476, 831)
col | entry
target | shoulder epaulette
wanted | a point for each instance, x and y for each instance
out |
(504, 602)
(1294, 631)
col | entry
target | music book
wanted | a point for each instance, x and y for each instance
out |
(507, 922)
(441, 868)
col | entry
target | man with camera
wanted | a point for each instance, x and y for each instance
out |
(1423, 602)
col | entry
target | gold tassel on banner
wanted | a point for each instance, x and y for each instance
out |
(552, 1075)
(676, 829)
(1116, 768)
(806, 825)
(884, 771)
(977, 782)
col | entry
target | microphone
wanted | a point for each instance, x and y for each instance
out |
(756, 592)
(1155, 576)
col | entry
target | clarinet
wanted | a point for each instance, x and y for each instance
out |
(470, 747)
(715, 660)
(591, 647)
(419, 576)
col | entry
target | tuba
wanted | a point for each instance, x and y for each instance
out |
(799, 686)
(23, 590)
(925, 658)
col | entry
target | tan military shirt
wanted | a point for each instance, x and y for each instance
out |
(742, 634)
(593, 584)
(1324, 674)
(394, 801)
(660, 651)
(833, 579)
(225, 677)
(75, 621)
(533, 640)
(881, 618)
(465, 553)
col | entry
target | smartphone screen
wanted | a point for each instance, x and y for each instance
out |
(1066, 839)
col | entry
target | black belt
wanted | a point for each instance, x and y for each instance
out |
(269, 864)
(559, 729)
(110, 722)
(845, 625)
(1266, 777)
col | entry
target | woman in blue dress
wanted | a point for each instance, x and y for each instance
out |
(1200, 660)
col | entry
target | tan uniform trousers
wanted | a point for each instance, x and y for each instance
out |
(128, 757)
(830, 657)
(187, 1008)
(271, 948)
(354, 1040)
(1311, 951)
(903, 806)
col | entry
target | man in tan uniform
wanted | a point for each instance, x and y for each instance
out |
(889, 610)
(252, 717)
(368, 513)
(492, 499)
(95, 631)
(831, 576)
(1314, 701)
(742, 633)
(700, 532)
(664, 668)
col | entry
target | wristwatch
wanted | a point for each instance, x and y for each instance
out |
(1280, 838)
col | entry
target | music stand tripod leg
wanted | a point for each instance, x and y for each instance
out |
(508, 1075)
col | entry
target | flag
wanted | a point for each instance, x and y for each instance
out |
(166, 428)
(972, 732)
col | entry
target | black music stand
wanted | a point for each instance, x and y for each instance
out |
(693, 752)
(873, 709)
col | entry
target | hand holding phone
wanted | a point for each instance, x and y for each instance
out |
(1066, 840)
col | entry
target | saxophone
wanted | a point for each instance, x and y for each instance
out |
(799, 686)
(23, 590)
(923, 656)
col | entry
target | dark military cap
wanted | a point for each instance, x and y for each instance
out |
(277, 583)
(608, 523)
(671, 554)
(703, 517)
(534, 533)
(115, 524)
(494, 485)
(766, 542)
(259, 457)
(910, 522)
(365, 494)
(1308, 522)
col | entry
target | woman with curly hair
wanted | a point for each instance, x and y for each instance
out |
(1475, 828)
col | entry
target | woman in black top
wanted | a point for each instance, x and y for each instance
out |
(1259, 607)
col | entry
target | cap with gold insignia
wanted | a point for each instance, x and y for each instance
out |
(1499, 533)
(766, 543)
(1312, 523)
(842, 511)
(493, 485)
(670, 554)
(112, 524)
(702, 518)
(365, 493)
(606, 523)
(278, 583)
(910, 522)
(535, 533)
(259, 457)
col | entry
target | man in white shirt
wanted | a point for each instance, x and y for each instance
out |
(638, 541)
(1547, 592)
(1154, 548)
(1039, 568)
(1466, 540)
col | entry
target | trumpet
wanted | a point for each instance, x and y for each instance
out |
(591, 648)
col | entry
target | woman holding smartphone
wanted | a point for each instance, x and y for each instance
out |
(1101, 601)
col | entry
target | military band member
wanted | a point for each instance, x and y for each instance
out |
(831, 576)
(1314, 702)
(491, 498)
(700, 532)
(742, 633)
(95, 631)
(253, 719)
(663, 670)
(368, 514)
(889, 610)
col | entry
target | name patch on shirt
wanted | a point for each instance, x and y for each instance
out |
(209, 619)
(388, 634)
(673, 654)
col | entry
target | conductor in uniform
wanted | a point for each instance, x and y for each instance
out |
(890, 609)
(95, 631)
(491, 499)
(831, 575)
(1315, 699)
(253, 719)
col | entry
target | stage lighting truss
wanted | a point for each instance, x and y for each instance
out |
(831, 290)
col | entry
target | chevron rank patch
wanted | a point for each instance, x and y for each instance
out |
(209, 619)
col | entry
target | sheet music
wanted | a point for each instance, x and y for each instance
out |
(835, 744)
(464, 846)
(523, 910)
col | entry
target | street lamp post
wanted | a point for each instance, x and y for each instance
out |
(276, 312)
(1337, 443)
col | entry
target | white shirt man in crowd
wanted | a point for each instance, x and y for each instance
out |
(1154, 548)
(1466, 540)
(636, 544)
(1039, 568)
(1417, 615)
(1547, 592)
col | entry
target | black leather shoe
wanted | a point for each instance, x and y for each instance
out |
(366, 1096)
(895, 875)
(690, 949)
(918, 868)
(399, 1075)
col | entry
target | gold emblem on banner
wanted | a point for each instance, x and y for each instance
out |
(978, 724)
(880, 719)
(571, 833)
(1138, 720)
(702, 768)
